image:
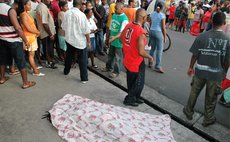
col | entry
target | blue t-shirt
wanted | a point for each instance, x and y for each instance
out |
(156, 19)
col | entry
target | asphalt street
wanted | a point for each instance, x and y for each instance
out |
(175, 83)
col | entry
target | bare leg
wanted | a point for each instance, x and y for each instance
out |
(32, 63)
(2, 70)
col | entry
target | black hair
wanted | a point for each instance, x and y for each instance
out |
(87, 11)
(62, 3)
(160, 5)
(77, 3)
(218, 19)
(21, 4)
(130, 1)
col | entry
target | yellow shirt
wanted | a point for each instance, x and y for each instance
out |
(111, 12)
(190, 13)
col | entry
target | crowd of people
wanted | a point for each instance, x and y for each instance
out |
(182, 17)
(76, 29)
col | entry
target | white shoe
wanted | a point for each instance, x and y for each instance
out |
(83, 82)
(39, 75)
(38, 67)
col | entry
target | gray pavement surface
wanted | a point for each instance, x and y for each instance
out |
(216, 132)
(175, 84)
(21, 110)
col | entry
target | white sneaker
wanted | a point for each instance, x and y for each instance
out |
(83, 82)
(38, 67)
(39, 75)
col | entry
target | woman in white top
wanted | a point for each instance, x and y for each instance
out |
(93, 29)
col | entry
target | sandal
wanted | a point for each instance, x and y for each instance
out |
(113, 75)
(105, 70)
(29, 84)
(3, 81)
(16, 72)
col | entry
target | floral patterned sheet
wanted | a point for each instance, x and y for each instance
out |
(80, 119)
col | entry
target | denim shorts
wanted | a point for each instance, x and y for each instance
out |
(93, 45)
(9, 50)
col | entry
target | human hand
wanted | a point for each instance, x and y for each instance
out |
(112, 38)
(151, 60)
(190, 72)
(52, 37)
(38, 34)
(89, 45)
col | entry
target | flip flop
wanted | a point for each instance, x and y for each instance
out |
(113, 75)
(16, 72)
(29, 84)
(3, 81)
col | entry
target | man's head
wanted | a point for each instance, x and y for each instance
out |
(218, 19)
(96, 2)
(46, 2)
(77, 3)
(63, 5)
(141, 16)
(83, 7)
(132, 3)
(89, 5)
(119, 8)
(104, 2)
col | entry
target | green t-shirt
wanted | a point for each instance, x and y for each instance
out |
(213, 50)
(115, 28)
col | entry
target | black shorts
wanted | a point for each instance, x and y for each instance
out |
(9, 50)
(171, 21)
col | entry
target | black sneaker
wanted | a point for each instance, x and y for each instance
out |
(134, 104)
(66, 72)
(52, 66)
(102, 53)
(140, 101)
(189, 117)
(206, 124)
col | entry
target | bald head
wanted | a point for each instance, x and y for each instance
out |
(141, 16)
(119, 8)
(140, 13)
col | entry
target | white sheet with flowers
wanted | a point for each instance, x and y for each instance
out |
(80, 119)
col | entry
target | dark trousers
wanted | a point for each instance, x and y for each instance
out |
(212, 88)
(135, 83)
(47, 47)
(82, 58)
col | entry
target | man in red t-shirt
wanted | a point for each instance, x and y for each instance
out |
(133, 39)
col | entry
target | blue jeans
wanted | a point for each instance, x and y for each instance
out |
(93, 46)
(157, 43)
(189, 24)
(99, 41)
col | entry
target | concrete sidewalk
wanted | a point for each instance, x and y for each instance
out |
(21, 110)
(216, 132)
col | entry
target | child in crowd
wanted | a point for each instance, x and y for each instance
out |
(93, 29)
(171, 10)
(61, 33)
(182, 19)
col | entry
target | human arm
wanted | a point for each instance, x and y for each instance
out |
(24, 20)
(193, 60)
(141, 48)
(88, 40)
(17, 27)
(163, 29)
(112, 38)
